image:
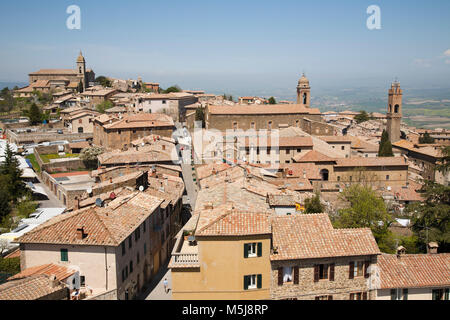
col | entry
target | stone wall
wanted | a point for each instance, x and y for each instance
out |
(109, 295)
(307, 289)
(63, 166)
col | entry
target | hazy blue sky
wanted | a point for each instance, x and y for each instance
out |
(242, 45)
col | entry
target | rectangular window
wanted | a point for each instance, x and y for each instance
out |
(131, 267)
(387, 177)
(287, 274)
(252, 250)
(251, 282)
(323, 271)
(144, 226)
(324, 298)
(138, 258)
(440, 294)
(123, 248)
(82, 281)
(145, 249)
(130, 242)
(64, 255)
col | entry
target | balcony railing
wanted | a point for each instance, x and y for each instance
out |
(185, 258)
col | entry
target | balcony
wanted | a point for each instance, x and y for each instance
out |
(185, 258)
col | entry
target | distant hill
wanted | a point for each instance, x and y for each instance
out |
(11, 85)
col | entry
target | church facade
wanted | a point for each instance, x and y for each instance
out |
(47, 80)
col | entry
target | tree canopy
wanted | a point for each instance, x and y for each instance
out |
(366, 209)
(313, 205)
(363, 116)
(35, 114)
(104, 81)
(426, 139)
(431, 218)
(171, 89)
(272, 100)
(105, 105)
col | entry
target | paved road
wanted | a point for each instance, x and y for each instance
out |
(52, 201)
(155, 290)
(191, 187)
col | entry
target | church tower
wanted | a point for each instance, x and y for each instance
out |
(81, 70)
(304, 92)
(394, 114)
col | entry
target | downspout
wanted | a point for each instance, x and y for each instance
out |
(106, 269)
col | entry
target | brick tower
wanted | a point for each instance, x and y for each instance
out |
(304, 92)
(394, 113)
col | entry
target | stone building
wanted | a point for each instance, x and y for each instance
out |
(115, 133)
(414, 276)
(65, 78)
(304, 92)
(394, 114)
(310, 260)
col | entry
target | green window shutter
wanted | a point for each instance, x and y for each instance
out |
(64, 255)
(393, 294)
(260, 249)
(259, 282)
(405, 294)
(446, 294)
(246, 281)
(245, 250)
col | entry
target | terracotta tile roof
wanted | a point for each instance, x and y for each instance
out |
(312, 171)
(288, 200)
(210, 169)
(91, 114)
(99, 93)
(30, 288)
(313, 156)
(236, 223)
(79, 145)
(414, 270)
(107, 226)
(282, 142)
(295, 184)
(14, 254)
(336, 139)
(60, 272)
(262, 109)
(144, 155)
(313, 236)
(371, 162)
(55, 72)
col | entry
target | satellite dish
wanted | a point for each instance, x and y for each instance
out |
(141, 188)
(89, 191)
(98, 202)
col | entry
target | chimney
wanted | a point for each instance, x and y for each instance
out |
(110, 180)
(52, 281)
(432, 248)
(304, 174)
(80, 232)
(401, 251)
(77, 203)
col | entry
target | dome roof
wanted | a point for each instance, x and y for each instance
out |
(303, 80)
(80, 58)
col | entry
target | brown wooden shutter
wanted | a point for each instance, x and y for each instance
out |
(280, 276)
(365, 296)
(332, 272)
(352, 296)
(330, 297)
(316, 273)
(351, 271)
(296, 275)
(366, 269)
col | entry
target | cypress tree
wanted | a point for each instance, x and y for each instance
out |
(385, 149)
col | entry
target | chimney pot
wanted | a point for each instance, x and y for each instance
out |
(432, 248)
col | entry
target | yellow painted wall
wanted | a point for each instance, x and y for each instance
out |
(222, 270)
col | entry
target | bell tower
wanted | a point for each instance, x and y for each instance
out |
(394, 113)
(304, 92)
(81, 70)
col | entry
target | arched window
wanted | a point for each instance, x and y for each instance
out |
(324, 173)
(397, 108)
(305, 96)
(80, 70)
(390, 108)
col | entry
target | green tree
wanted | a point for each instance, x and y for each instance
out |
(426, 139)
(80, 87)
(5, 197)
(104, 81)
(362, 117)
(90, 156)
(444, 163)
(366, 210)
(431, 218)
(105, 105)
(11, 169)
(272, 100)
(313, 205)
(172, 89)
(385, 149)
(35, 114)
